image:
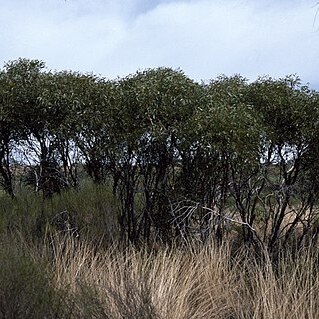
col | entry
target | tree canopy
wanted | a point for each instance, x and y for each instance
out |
(240, 149)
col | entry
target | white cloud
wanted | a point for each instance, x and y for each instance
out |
(204, 38)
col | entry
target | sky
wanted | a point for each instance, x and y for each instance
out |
(203, 38)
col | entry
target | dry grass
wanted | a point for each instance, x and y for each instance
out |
(44, 276)
(183, 283)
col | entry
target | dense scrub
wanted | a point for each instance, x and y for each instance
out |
(183, 161)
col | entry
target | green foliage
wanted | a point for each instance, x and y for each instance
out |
(157, 138)
(284, 107)
(25, 290)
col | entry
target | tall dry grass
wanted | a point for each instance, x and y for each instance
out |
(45, 274)
(181, 282)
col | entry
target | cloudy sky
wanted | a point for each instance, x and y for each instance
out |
(204, 38)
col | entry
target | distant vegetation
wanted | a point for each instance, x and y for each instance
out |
(153, 196)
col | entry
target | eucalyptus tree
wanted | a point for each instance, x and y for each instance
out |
(308, 181)
(39, 114)
(224, 153)
(241, 151)
(288, 113)
(56, 98)
(156, 105)
(91, 122)
(20, 96)
(9, 132)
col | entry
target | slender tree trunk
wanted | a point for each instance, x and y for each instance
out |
(5, 169)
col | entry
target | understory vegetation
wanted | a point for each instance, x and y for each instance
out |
(63, 277)
(154, 196)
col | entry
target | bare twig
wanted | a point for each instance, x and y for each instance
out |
(184, 214)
